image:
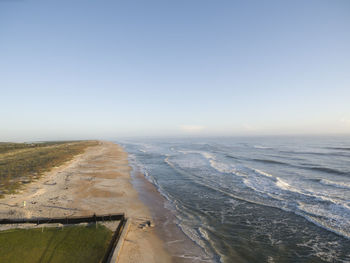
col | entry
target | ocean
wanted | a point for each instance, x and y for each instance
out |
(267, 199)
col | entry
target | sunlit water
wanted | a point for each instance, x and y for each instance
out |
(255, 199)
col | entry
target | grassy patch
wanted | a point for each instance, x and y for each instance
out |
(20, 163)
(86, 244)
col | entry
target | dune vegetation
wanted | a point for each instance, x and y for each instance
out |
(21, 163)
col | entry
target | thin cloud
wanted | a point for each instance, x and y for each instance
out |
(249, 127)
(345, 121)
(191, 128)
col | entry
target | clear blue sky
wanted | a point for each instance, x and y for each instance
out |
(105, 69)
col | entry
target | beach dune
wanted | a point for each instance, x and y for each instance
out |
(97, 181)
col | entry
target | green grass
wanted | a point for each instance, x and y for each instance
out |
(21, 163)
(86, 244)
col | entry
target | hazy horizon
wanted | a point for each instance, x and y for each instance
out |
(88, 70)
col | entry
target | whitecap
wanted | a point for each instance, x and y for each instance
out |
(343, 185)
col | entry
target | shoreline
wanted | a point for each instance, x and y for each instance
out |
(97, 181)
(181, 248)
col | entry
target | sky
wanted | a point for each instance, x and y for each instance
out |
(107, 69)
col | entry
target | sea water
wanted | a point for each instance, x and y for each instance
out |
(270, 199)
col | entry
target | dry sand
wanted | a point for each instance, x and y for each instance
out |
(97, 181)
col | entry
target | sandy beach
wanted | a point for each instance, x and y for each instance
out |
(97, 181)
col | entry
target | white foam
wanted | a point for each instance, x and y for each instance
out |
(282, 184)
(343, 185)
(329, 225)
(326, 251)
(206, 155)
(270, 190)
(193, 235)
(221, 167)
(332, 215)
(285, 196)
(261, 147)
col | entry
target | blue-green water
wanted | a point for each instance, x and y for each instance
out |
(266, 199)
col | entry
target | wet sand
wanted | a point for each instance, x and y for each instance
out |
(97, 181)
(181, 248)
